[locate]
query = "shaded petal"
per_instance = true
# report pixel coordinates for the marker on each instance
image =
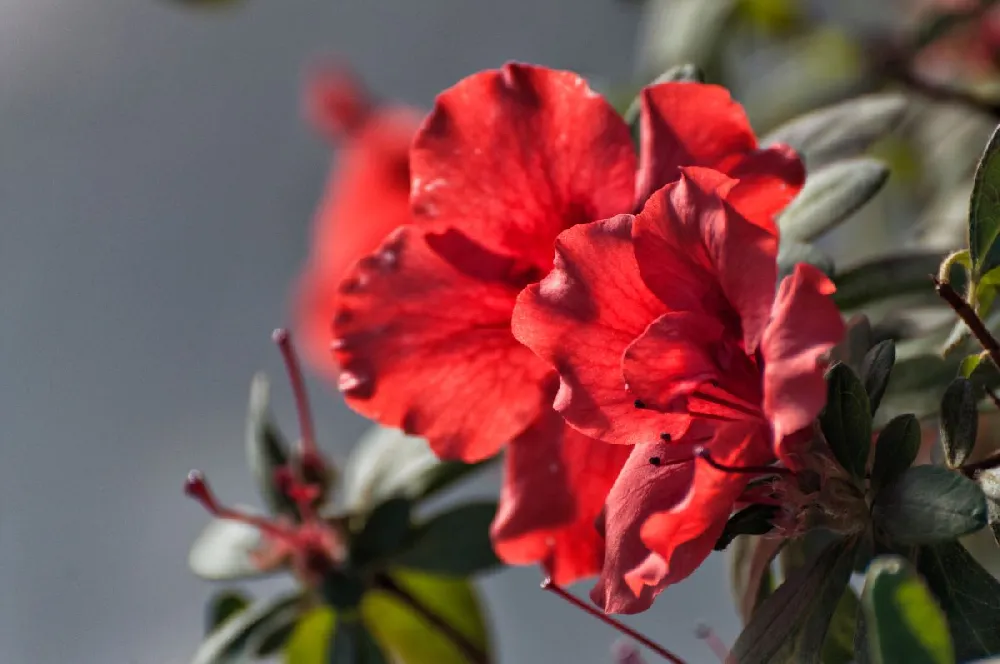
(681, 538)
(805, 325)
(367, 197)
(511, 157)
(768, 181)
(581, 318)
(427, 348)
(697, 253)
(688, 124)
(336, 102)
(555, 485)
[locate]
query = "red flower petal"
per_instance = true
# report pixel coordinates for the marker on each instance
(555, 483)
(512, 157)
(681, 538)
(427, 348)
(688, 124)
(367, 197)
(768, 181)
(335, 101)
(697, 253)
(581, 318)
(805, 325)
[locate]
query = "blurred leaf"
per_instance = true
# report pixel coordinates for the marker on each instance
(969, 365)
(384, 531)
(904, 624)
(771, 16)
(862, 654)
(927, 504)
(222, 552)
(222, 606)
(846, 420)
(791, 253)
(792, 623)
(876, 367)
(984, 210)
(342, 588)
(310, 640)
(750, 559)
(447, 473)
(237, 639)
(455, 543)
(354, 644)
(839, 645)
(266, 448)
(886, 277)
(969, 596)
(858, 340)
(959, 421)
(843, 130)
(830, 196)
(896, 448)
(752, 520)
(412, 638)
(678, 31)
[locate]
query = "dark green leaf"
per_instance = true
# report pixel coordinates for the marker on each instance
(752, 520)
(750, 559)
(354, 644)
(384, 531)
(266, 448)
(927, 504)
(959, 421)
(792, 623)
(223, 551)
(858, 340)
(846, 420)
(905, 625)
(876, 369)
(862, 654)
(342, 589)
(969, 596)
(447, 473)
(791, 253)
(984, 210)
(895, 450)
(843, 130)
(830, 196)
(839, 645)
(222, 606)
(236, 639)
(886, 277)
(455, 543)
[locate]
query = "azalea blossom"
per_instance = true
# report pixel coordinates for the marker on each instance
(673, 312)
(506, 161)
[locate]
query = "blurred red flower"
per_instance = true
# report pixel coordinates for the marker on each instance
(672, 313)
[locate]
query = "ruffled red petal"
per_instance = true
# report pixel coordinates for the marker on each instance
(688, 124)
(697, 253)
(806, 324)
(511, 157)
(581, 318)
(768, 181)
(367, 196)
(555, 483)
(428, 348)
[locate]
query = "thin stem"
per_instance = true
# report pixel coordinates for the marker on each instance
(990, 462)
(970, 318)
(472, 652)
(714, 643)
(547, 584)
(284, 341)
(946, 94)
(706, 456)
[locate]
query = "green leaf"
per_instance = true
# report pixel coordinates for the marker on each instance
(266, 448)
(384, 532)
(895, 450)
(750, 576)
(927, 504)
(839, 645)
(223, 551)
(856, 344)
(752, 520)
(969, 365)
(791, 253)
(984, 210)
(239, 638)
(969, 596)
(842, 130)
(447, 473)
(791, 624)
(830, 196)
(905, 625)
(455, 543)
(342, 588)
(354, 644)
(222, 606)
(409, 637)
(310, 641)
(959, 421)
(846, 420)
(876, 367)
(886, 277)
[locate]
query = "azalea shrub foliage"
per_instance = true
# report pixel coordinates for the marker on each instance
(639, 307)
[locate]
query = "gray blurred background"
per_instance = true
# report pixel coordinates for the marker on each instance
(156, 184)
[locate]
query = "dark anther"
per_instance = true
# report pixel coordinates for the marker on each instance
(639, 404)
(654, 460)
(665, 437)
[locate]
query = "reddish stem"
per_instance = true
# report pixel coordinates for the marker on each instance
(970, 318)
(284, 341)
(547, 584)
(196, 486)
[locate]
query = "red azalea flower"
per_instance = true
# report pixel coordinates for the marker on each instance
(367, 196)
(506, 161)
(674, 311)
